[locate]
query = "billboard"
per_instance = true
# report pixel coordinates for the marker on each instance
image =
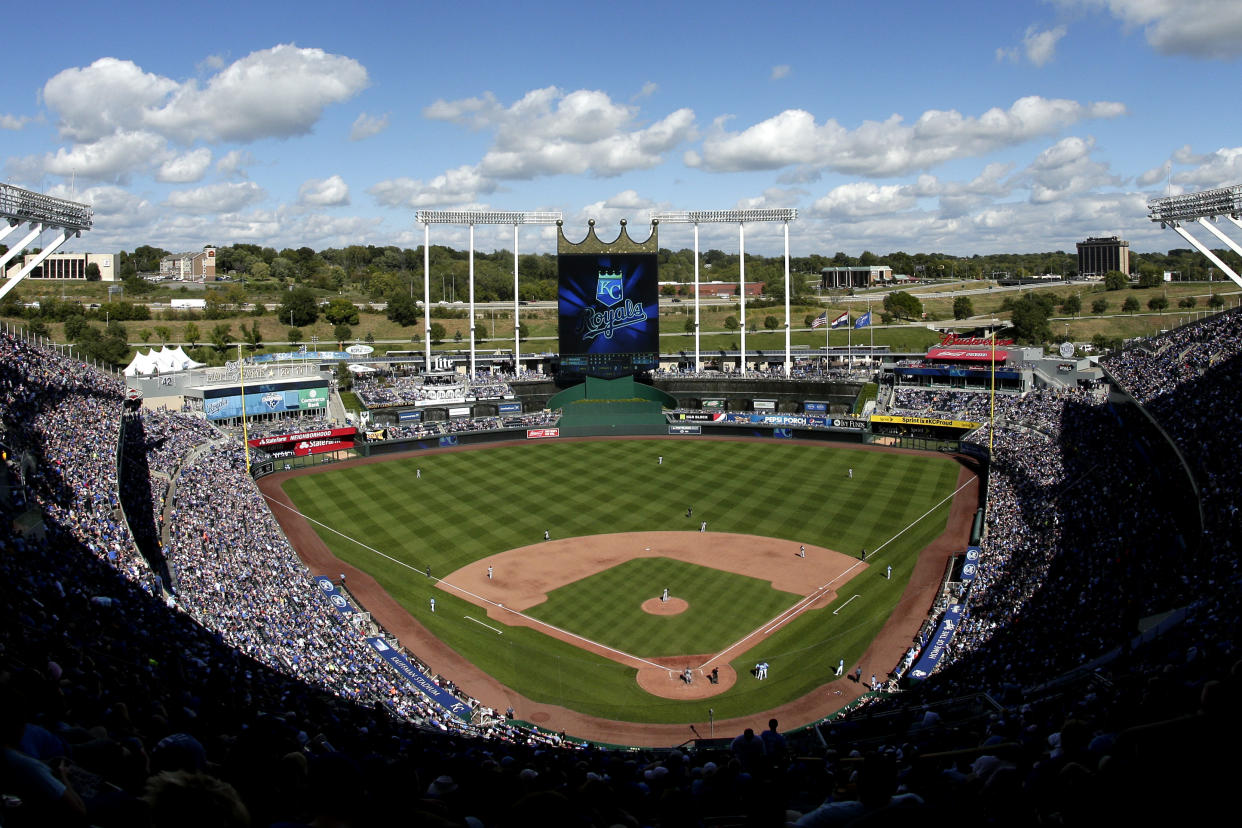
(264, 398)
(608, 313)
(924, 421)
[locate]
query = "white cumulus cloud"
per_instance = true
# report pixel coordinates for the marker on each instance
(367, 125)
(460, 187)
(891, 147)
(1209, 29)
(228, 197)
(111, 158)
(185, 169)
(277, 92)
(328, 192)
(552, 132)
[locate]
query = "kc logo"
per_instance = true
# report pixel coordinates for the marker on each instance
(608, 288)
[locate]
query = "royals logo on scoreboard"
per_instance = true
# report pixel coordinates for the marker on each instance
(609, 288)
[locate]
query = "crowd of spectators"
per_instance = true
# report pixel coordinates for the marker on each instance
(437, 428)
(251, 696)
(388, 390)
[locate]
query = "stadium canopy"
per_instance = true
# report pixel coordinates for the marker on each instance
(164, 361)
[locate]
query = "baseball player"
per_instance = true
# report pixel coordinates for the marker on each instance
(664, 597)
(433, 604)
(890, 572)
(802, 551)
(703, 526)
(546, 535)
(851, 475)
(840, 667)
(660, 460)
(418, 474)
(489, 573)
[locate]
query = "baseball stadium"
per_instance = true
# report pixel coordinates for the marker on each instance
(614, 585)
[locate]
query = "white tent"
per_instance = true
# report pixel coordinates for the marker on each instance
(164, 361)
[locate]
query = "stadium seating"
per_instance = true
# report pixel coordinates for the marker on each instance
(250, 693)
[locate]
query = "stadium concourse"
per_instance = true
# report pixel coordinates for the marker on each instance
(242, 698)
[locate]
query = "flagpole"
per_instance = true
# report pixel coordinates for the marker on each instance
(871, 330)
(827, 328)
(849, 346)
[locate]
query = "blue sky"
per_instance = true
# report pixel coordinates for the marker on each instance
(965, 127)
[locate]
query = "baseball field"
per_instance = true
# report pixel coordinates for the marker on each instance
(576, 621)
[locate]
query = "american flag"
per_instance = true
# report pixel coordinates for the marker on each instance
(820, 320)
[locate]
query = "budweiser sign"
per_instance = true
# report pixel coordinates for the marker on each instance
(953, 339)
(542, 433)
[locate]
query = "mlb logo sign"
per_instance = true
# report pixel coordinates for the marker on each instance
(608, 288)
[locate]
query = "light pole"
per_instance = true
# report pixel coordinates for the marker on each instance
(739, 217)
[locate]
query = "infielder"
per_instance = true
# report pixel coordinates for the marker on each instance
(489, 573)
(433, 604)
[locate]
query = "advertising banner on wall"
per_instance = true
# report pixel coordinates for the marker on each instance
(333, 434)
(542, 433)
(419, 679)
(266, 398)
(684, 428)
(509, 408)
(924, 421)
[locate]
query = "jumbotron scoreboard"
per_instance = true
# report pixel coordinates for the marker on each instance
(608, 308)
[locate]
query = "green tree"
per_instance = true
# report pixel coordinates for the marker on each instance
(480, 332)
(1099, 306)
(437, 332)
(92, 272)
(730, 323)
(403, 310)
(254, 339)
(344, 377)
(163, 333)
(74, 326)
(523, 331)
(1115, 280)
(1216, 301)
(341, 311)
(689, 327)
(192, 334)
(299, 307)
(1072, 304)
(342, 332)
(770, 322)
(457, 336)
(1030, 319)
(145, 336)
(1158, 303)
(1131, 305)
(1150, 278)
(1187, 302)
(903, 305)
(963, 308)
(294, 335)
(222, 336)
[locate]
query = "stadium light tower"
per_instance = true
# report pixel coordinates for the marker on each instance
(42, 212)
(1205, 208)
(697, 217)
(472, 217)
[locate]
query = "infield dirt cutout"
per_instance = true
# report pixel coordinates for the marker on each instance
(523, 577)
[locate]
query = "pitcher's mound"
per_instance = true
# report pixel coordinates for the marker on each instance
(673, 606)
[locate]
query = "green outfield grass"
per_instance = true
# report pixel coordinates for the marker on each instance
(472, 504)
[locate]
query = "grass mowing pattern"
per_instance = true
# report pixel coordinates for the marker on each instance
(605, 607)
(472, 504)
